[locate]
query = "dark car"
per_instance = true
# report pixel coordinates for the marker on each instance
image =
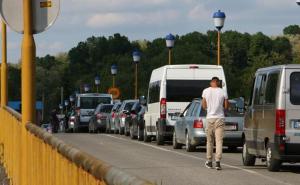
(136, 124)
(99, 118)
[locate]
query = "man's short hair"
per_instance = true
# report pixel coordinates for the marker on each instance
(215, 79)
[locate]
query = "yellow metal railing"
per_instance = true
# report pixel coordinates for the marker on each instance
(49, 160)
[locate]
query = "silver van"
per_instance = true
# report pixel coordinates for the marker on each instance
(272, 118)
(85, 106)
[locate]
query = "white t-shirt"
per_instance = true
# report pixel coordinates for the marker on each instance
(215, 102)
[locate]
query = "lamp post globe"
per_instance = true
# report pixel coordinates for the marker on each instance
(97, 80)
(136, 55)
(219, 19)
(114, 69)
(71, 98)
(170, 41)
(86, 87)
(60, 106)
(66, 103)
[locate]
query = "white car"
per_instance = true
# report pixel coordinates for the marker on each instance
(171, 89)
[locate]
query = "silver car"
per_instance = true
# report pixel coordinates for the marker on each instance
(98, 120)
(190, 127)
(110, 127)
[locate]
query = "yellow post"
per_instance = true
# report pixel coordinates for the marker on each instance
(170, 56)
(219, 48)
(28, 84)
(4, 67)
(114, 81)
(136, 81)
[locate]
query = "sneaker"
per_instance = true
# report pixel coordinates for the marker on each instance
(218, 166)
(208, 164)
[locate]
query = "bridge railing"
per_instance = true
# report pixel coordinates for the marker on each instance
(50, 161)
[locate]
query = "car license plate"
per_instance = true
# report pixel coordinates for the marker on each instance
(231, 127)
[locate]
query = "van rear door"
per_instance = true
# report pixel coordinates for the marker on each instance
(293, 107)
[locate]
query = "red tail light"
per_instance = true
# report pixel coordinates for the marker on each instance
(113, 115)
(163, 108)
(100, 116)
(198, 123)
(280, 122)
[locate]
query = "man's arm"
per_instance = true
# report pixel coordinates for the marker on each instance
(204, 104)
(226, 104)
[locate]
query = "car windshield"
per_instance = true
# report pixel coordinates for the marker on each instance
(92, 102)
(185, 90)
(106, 108)
(295, 88)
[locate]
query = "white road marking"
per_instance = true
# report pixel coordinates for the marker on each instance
(201, 159)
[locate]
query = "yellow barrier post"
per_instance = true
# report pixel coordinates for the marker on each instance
(4, 67)
(28, 84)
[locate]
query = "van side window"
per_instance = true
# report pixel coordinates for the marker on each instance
(154, 90)
(271, 88)
(295, 88)
(259, 90)
(251, 95)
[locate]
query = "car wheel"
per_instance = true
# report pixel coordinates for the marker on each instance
(159, 138)
(140, 134)
(176, 145)
(188, 146)
(132, 136)
(248, 159)
(121, 130)
(126, 131)
(147, 139)
(273, 165)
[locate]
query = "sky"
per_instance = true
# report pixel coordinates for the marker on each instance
(150, 19)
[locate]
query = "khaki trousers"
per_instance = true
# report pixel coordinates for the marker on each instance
(214, 132)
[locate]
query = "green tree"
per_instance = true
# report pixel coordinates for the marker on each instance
(291, 30)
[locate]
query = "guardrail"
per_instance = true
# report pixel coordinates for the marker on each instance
(50, 160)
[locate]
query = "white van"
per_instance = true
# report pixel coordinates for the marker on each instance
(171, 89)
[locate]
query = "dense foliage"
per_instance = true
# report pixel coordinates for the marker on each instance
(242, 54)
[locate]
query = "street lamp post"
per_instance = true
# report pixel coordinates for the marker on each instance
(170, 41)
(114, 71)
(136, 55)
(97, 83)
(219, 19)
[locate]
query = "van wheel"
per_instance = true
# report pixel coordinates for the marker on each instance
(147, 138)
(273, 165)
(140, 134)
(159, 138)
(176, 145)
(188, 146)
(248, 159)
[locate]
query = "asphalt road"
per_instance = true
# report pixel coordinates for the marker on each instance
(166, 166)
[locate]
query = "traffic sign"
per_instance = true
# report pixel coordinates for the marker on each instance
(44, 15)
(115, 92)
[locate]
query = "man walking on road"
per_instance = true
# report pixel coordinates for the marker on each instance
(214, 101)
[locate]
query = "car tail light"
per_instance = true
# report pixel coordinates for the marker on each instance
(163, 108)
(280, 123)
(113, 114)
(123, 115)
(198, 123)
(100, 116)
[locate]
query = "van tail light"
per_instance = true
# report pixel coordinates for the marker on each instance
(78, 111)
(280, 122)
(198, 123)
(163, 108)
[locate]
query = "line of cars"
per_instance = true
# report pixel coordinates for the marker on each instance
(172, 112)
